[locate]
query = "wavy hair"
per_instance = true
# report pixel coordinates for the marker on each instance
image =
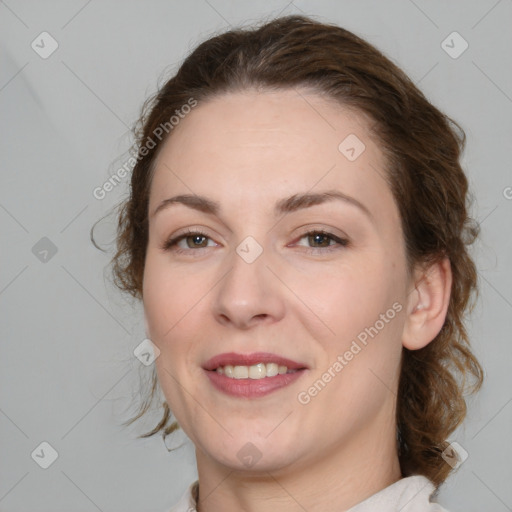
(422, 147)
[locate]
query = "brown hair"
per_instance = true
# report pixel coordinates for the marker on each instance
(422, 148)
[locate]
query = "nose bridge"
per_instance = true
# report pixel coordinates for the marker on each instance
(247, 290)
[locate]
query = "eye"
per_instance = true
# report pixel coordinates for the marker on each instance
(192, 239)
(326, 241)
(323, 239)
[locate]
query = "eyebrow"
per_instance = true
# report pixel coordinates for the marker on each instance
(283, 206)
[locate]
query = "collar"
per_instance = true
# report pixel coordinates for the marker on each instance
(410, 494)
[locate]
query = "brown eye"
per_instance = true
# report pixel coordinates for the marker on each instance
(193, 240)
(320, 238)
(323, 240)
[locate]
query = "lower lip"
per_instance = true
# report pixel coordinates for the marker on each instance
(252, 388)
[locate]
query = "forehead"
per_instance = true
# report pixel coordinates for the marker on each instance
(271, 121)
(252, 148)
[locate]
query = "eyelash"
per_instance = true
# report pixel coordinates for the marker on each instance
(171, 243)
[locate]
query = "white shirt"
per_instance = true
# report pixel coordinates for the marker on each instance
(410, 494)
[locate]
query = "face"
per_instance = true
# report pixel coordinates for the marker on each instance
(321, 282)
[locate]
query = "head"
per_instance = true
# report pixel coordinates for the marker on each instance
(262, 117)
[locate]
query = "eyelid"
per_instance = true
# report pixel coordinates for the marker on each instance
(340, 241)
(172, 240)
(320, 228)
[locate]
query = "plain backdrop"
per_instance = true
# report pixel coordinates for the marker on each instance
(68, 374)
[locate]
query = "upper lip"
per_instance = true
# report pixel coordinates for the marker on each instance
(234, 359)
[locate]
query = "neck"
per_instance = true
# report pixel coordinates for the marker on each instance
(344, 475)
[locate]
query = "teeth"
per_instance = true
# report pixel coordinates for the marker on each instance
(240, 372)
(256, 371)
(273, 369)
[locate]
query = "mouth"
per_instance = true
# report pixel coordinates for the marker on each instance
(252, 375)
(254, 366)
(255, 371)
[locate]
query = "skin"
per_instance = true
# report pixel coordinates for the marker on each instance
(247, 150)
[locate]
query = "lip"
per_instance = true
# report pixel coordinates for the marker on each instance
(235, 359)
(251, 388)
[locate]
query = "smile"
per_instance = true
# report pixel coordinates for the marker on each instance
(256, 371)
(252, 375)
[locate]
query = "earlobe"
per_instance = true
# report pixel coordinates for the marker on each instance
(427, 305)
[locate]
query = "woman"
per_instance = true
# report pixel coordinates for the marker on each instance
(297, 231)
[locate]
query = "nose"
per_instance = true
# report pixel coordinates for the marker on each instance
(249, 294)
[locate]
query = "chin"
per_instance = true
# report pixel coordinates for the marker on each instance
(253, 461)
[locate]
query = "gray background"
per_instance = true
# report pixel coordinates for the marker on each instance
(68, 373)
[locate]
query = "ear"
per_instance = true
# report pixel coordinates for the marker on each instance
(427, 304)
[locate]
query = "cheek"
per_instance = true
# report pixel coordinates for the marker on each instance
(360, 364)
(168, 307)
(157, 303)
(357, 315)
(345, 298)
(169, 295)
